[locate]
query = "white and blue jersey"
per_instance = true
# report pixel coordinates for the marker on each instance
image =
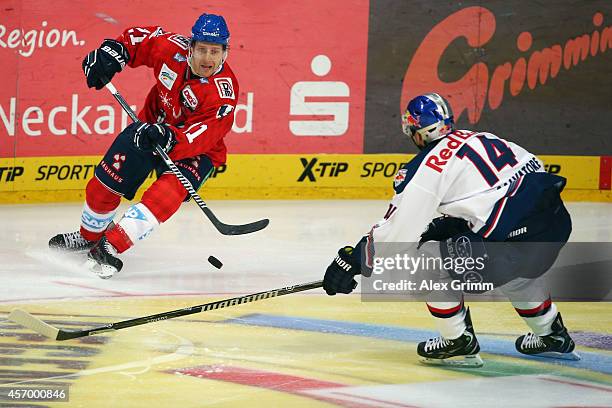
(489, 182)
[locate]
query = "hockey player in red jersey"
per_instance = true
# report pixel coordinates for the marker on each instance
(494, 195)
(187, 112)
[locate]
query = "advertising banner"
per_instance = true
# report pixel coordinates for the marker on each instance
(536, 73)
(274, 176)
(301, 74)
(531, 73)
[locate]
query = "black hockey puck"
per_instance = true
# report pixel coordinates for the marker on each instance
(215, 262)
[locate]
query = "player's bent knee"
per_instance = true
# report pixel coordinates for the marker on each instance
(99, 197)
(164, 197)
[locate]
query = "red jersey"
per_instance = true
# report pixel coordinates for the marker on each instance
(199, 110)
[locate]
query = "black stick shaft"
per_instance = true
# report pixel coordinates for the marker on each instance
(219, 304)
(127, 108)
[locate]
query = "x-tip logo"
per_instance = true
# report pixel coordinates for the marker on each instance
(323, 169)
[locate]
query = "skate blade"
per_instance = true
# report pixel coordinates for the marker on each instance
(573, 356)
(471, 361)
(69, 251)
(103, 271)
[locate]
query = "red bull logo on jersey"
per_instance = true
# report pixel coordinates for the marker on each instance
(453, 142)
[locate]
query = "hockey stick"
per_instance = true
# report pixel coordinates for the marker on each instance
(225, 229)
(27, 320)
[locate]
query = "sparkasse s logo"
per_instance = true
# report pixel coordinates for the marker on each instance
(319, 117)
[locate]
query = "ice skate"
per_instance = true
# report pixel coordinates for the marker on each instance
(461, 352)
(73, 241)
(558, 344)
(102, 261)
(70, 242)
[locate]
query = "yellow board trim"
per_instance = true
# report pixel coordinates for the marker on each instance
(283, 176)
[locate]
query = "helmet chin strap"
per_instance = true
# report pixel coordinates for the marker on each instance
(189, 57)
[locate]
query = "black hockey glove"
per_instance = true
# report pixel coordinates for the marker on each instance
(442, 228)
(339, 276)
(149, 135)
(102, 64)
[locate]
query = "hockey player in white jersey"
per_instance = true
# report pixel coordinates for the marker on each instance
(488, 190)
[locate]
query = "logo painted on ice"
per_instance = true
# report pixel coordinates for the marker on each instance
(119, 159)
(300, 91)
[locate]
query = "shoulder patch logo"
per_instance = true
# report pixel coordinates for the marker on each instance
(224, 110)
(225, 87)
(178, 57)
(189, 98)
(399, 177)
(167, 77)
(179, 40)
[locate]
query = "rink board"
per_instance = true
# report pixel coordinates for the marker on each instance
(56, 179)
(303, 350)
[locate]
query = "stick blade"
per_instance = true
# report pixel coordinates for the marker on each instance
(27, 320)
(243, 229)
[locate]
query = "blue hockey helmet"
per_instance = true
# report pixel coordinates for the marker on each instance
(211, 28)
(427, 118)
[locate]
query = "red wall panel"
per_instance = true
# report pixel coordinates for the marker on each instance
(302, 74)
